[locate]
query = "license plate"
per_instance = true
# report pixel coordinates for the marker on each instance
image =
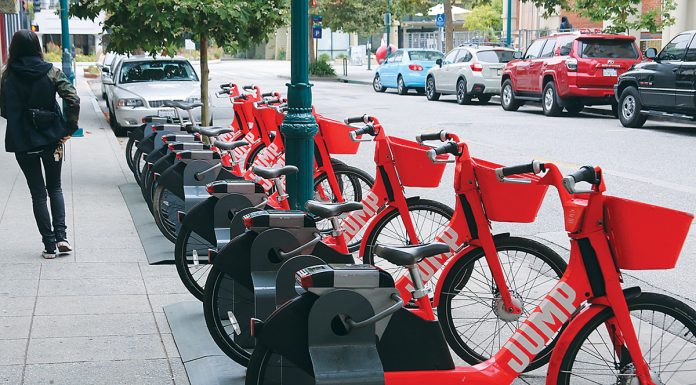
(166, 114)
(609, 71)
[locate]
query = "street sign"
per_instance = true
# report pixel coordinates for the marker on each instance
(37, 6)
(317, 19)
(440, 20)
(316, 32)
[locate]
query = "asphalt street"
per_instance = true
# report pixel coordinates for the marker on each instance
(654, 164)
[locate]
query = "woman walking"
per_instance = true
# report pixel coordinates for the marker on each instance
(36, 131)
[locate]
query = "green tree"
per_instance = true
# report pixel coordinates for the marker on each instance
(159, 26)
(365, 16)
(485, 17)
(622, 15)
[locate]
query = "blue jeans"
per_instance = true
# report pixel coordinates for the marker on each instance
(30, 163)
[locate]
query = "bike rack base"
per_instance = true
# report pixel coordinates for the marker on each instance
(158, 249)
(204, 362)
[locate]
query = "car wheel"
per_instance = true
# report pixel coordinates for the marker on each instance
(507, 97)
(377, 84)
(549, 100)
(462, 96)
(630, 107)
(401, 88)
(573, 107)
(430, 92)
(485, 98)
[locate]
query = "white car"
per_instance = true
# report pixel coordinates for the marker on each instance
(140, 86)
(468, 72)
(106, 65)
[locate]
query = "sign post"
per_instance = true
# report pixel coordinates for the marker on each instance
(67, 54)
(440, 24)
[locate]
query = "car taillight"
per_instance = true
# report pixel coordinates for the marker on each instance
(572, 64)
(248, 221)
(476, 67)
(415, 67)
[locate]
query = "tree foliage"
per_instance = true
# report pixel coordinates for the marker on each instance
(365, 16)
(621, 15)
(485, 16)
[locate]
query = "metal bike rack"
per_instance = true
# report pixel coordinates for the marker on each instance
(286, 285)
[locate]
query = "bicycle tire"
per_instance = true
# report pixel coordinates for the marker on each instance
(251, 157)
(426, 205)
(138, 164)
(130, 154)
(258, 367)
(213, 286)
(460, 277)
(358, 179)
(648, 302)
(183, 247)
(166, 213)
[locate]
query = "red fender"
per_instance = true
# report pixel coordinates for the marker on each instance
(568, 333)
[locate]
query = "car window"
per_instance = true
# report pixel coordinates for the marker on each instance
(534, 49)
(607, 48)
(160, 70)
(675, 49)
(565, 45)
(451, 56)
(548, 48)
(398, 55)
(464, 56)
(425, 55)
(691, 53)
(495, 56)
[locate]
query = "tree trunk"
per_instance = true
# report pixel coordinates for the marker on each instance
(311, 43)
(205, 74)
(449, 26)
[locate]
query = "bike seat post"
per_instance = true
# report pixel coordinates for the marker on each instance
(282, 195)
(178, 116)
(420, 290)
(190, 114)
(336, 226)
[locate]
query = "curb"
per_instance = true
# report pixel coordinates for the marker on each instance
(344, 79)
(314, 78)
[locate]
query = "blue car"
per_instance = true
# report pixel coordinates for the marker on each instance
(405, 68)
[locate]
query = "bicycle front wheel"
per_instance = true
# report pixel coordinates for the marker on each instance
(665, 328)
(191, 260)
(166, 206)
(471, 310)
(131, 149)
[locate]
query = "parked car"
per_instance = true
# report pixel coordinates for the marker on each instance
(569, 70)
(106, 66)
(140, 86)
(468, 72)
(405, 69)
(664, 86)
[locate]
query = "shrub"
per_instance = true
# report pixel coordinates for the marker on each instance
(325, 57)
(53, 57)
(341, 56)
(321, 68)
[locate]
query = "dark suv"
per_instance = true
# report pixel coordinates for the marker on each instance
(569, 70)
(664, 86)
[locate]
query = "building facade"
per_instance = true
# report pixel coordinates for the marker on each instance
(85, 34)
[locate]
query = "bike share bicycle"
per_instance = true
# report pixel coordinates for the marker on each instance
(604, 334)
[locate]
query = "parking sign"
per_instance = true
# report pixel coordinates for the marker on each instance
(440, 20)
(316, 32)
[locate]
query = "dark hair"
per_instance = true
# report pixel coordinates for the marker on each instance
(24, 43)
(563, 18)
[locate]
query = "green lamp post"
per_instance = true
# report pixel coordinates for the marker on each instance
(299, 125)
(67, 55)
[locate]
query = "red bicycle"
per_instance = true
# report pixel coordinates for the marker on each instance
(605, 335)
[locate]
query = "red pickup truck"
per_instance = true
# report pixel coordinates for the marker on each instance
(568, 70)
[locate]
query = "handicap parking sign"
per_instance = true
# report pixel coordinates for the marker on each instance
(440, 20)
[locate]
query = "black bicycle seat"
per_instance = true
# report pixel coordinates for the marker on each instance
(410, 255)
(229, 146)
(182, 105)
(214, 131)
(330, 210)
(273, 172)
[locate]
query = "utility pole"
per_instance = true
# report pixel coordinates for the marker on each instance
(509, 23)
(67, 51)
(299, 125)
(387, 21)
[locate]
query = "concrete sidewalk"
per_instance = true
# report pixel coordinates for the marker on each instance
(94, 316)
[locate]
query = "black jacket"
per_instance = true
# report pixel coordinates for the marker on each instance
(32, 83)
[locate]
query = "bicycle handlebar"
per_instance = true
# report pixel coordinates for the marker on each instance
(441, 136)
(358, 119)
(250, 87)
(584, 174)
(533, 167)
(369, 129)
(267, 94)
(226, 85)
(447, 148)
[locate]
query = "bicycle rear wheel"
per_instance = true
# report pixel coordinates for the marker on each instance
(138, 165)
(191, 260)
(165, 207)
(471, 310)
(665, 328)
(131, 149)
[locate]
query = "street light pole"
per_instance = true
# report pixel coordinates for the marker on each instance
(67, 52)
(387, 21)
(299, 125)
(509, 22)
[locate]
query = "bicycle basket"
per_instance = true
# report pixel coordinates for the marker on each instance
(414, 167)
(336, 135)
(508, 202)
(643, 236)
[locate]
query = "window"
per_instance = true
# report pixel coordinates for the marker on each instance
(566, 45)
(398, 55)
(691, 54)
(495, 56)
(548, 48)
(675, 49)
(464, 56)
(160, 70)
(607, 48)
(451, 56)
(534, 49)
(425, 55)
